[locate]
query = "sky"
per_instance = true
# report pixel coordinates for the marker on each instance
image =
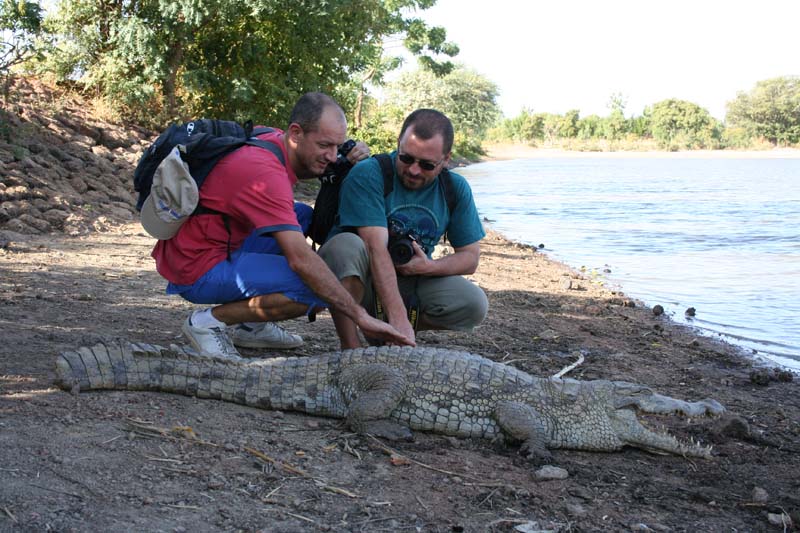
(557, 55)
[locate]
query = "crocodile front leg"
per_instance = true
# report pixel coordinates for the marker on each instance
(375, 391)
(523, 423)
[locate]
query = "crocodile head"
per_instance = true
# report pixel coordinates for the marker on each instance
(627, 399)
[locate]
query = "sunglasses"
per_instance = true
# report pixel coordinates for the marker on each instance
(423, 164)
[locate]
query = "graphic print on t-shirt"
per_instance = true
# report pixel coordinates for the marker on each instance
(415, 221)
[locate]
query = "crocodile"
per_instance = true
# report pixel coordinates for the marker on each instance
(390, 391)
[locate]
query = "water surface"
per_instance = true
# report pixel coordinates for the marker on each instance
(721, 235)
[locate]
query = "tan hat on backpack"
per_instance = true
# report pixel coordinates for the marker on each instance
(173, 197)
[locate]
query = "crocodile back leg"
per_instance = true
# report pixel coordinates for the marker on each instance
(373, 392)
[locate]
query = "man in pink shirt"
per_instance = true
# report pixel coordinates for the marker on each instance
(248, 253)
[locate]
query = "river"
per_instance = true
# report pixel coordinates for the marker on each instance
(719, 234)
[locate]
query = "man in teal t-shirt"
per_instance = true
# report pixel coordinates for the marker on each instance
(408, 285)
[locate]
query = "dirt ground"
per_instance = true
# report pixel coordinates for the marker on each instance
(75, 268)
(125, 461)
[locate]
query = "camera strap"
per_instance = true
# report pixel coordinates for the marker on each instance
(411, 303)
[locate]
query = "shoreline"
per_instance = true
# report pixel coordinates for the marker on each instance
(758, 358)
(509, 151)
(770, 353)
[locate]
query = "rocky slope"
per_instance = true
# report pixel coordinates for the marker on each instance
(61, 168)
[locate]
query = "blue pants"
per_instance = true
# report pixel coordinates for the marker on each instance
(255, 269)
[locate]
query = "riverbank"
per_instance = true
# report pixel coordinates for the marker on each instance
(76, 269)
(500, 152)
(147, 461)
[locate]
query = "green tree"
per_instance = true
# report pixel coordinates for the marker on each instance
(771, 110)
(526, 127)
(568, 128)
(467, 97)
(641, 126)
(680, 124)
(590, 127)
(614, 125)
(229, 58)
(20, 22)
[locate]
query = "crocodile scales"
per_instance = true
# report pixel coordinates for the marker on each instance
(389, 391)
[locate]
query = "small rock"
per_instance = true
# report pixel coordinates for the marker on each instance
(641, 527)
(548, 335)
(695, 343)
(541, 246)
(531, 527)
(575, 509)
(566, 284)
(760, 495)
(733, 426)
(549, 473)
(779, 374)
(760, 376)
(691, 311)
(781, 519)
(580, 492)
(658, 310)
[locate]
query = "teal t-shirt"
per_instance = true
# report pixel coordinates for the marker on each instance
(423, 211)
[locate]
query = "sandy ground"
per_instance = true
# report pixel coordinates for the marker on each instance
(127, 461)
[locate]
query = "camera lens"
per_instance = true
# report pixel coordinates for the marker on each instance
(401, 250)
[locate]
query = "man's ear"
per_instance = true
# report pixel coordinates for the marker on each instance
(295, 132)
(446, 160)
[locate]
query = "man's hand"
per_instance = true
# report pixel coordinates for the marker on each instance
(378, 329)
(418, 265)
(358, 152)
(404, 327)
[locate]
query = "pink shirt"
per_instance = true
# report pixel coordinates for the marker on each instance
(254, 189)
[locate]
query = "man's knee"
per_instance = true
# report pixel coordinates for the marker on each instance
(346, 255)
(463, 307)
(475, 307)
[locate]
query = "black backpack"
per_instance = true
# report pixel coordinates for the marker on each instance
(326, 206)
(206, 141)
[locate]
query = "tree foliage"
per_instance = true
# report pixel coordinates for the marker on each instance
(680, 124)
(673, 124)
(771, 110)
(20, 23)
(170, 59)
(467, 97)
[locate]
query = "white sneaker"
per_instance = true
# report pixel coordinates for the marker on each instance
(265, 335)
(212, 342)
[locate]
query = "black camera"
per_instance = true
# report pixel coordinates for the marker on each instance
(336, 171)
(401, 248)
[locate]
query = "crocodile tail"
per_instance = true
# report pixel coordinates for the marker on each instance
(127, 366)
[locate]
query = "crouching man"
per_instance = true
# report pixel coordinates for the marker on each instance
(381, 245)
(248, 252)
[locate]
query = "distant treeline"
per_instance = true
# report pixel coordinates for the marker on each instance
(157, 61)
(768, 115)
